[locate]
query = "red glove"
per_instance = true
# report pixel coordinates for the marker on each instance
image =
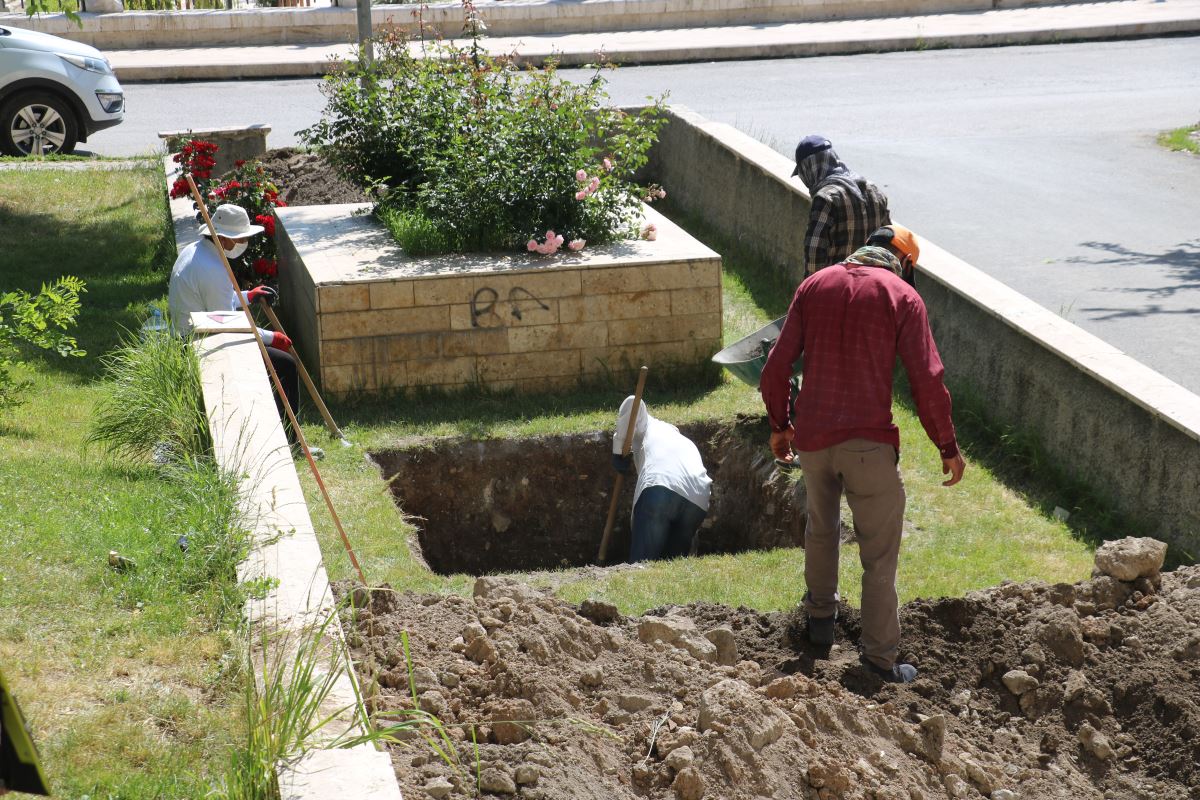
(262, 293)
(781, 444)
(280, 341)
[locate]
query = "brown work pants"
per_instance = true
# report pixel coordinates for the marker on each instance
(868, 474)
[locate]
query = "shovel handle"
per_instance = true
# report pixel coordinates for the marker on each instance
(626, 446)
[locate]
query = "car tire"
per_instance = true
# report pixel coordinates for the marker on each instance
(37, 121)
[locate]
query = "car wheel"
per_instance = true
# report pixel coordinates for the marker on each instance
(37, 124)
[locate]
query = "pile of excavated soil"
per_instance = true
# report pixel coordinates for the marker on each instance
(1026, 691)
(306, 179)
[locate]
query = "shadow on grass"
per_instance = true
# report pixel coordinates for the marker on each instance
(120, 243)
(477, 412)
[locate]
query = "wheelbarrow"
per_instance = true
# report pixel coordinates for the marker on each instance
(746, 357)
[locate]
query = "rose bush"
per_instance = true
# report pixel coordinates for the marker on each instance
(473, 153)
(248, 185)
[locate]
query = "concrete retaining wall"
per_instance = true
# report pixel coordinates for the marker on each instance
(274, 26)
(1110, 421)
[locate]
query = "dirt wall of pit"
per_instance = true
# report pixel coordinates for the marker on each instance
(510, 505)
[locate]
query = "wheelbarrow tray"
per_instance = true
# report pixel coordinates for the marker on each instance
(745, 357)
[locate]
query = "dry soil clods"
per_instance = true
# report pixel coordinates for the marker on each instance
(1026, 691)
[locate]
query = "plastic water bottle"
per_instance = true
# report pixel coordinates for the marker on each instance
(156, 323)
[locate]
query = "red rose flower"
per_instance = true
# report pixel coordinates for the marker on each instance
(268, 223)
(266, 267)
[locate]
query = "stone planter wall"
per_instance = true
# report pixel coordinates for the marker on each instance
(369, 319)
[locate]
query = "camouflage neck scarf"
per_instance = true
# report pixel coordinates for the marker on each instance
(870, 256)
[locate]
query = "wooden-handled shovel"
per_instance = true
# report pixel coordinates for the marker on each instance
(625, 448)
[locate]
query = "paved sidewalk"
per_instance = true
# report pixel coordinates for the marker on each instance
(1047, 24)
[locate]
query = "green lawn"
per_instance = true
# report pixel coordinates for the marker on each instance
(125, 678)
(976, 534)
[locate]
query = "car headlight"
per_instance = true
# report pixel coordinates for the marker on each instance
(97, 65)
(111, 102)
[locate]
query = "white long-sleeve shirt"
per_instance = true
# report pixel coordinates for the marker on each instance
(199, 283)
(663, 456)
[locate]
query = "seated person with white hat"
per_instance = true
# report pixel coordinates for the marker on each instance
(199, 282)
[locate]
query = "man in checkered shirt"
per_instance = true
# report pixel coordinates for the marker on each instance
(846, 207)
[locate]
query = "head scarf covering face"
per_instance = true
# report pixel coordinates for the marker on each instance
(639, 431)
(823, 168)
(872, 256)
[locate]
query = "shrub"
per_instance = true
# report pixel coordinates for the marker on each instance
(41, 320)
(478, 154)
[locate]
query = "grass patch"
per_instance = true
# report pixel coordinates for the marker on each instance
(977, 534)
(1186, 139)
(125, 676)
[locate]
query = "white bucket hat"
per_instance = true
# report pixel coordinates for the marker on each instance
(232, 222)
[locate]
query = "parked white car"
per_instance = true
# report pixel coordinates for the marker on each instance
(53, 93)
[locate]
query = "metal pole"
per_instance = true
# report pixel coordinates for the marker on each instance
(366, 50)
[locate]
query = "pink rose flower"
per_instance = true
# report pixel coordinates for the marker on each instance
(661, 193)
(650, 232)
(607, 165)
(580, 194)
(549, 235)
(580, 175)
(558, 242)
(595, 184)
(576, 244)
(531, 245)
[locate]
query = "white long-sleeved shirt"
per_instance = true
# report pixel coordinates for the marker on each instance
(663, 456)
(199, 283)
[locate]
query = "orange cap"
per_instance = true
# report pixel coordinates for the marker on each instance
(900, 238)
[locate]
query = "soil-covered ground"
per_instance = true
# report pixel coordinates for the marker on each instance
(306, 179)
(1025, 690)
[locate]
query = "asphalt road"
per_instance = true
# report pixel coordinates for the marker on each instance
(1036, 164)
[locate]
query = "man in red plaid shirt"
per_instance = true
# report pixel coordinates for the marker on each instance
(849, 322)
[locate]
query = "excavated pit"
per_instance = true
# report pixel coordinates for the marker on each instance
(539, 503)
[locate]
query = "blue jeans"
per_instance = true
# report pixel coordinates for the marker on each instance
(663, 524)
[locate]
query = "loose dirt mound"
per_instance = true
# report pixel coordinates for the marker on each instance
(1026, 690)
(306, 179)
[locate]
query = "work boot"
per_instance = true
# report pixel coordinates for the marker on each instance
(820, 630)
(899, 673)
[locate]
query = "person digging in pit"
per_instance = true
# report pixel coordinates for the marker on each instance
(670, 500)
(846, 207)
(850, 321)
(199, 282)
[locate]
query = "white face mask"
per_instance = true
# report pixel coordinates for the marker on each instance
(237, 249)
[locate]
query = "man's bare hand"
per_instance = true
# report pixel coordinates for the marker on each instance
(954, 468)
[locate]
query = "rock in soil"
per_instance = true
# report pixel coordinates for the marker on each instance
(1019, 695)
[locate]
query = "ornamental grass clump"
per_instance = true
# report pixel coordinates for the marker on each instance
(470, 152)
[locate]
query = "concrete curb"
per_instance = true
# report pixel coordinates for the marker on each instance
(280, 26)
(1127, 18)
(249, 441)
